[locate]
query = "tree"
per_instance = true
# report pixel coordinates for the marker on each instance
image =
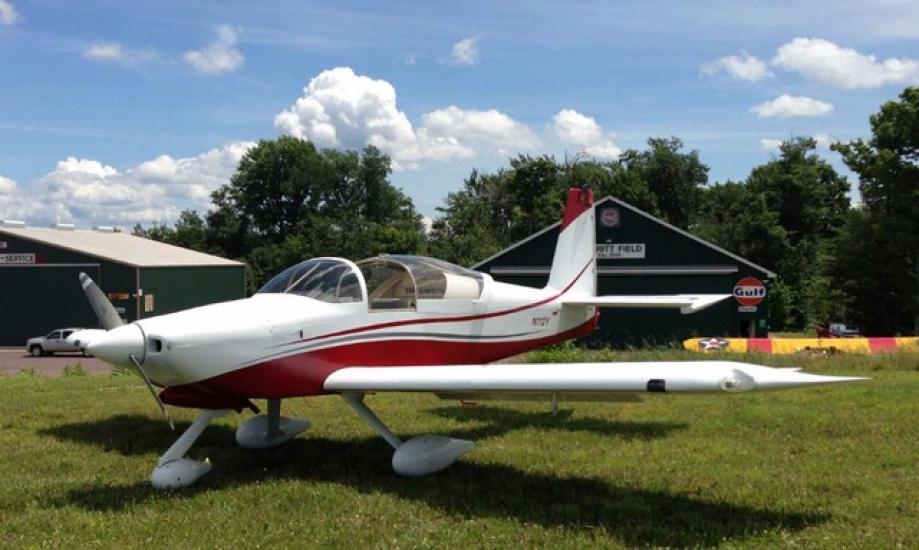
(674, 178)
(784, 217)
(289, 201)
(881, 239)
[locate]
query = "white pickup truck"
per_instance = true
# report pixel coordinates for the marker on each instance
(53, 342)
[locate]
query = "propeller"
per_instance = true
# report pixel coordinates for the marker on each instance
(109, 319)
(103, 309)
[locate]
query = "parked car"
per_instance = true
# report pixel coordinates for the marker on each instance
(837, 330)
(53, 342)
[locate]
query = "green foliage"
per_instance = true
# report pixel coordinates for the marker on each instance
(289, 201)
(878, 254)
(495, 210)
(784, 217)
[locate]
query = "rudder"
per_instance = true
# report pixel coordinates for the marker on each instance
(574, 265)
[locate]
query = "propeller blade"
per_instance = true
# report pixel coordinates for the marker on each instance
(150, 387)
(102, 307)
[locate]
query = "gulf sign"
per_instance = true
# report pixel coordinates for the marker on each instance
(749, 291)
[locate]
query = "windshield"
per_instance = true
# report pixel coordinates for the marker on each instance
(326, 279)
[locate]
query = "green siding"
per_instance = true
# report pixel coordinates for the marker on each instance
(36, 299)
(663, 247)
(178, 288)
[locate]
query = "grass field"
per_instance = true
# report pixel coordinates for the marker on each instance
(827, 467)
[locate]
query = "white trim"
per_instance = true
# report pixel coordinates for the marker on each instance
(714, 247)
(49, 265)
(625, 270)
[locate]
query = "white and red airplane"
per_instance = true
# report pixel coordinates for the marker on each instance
(399, 324)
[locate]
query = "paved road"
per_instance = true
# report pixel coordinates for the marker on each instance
(12, 360)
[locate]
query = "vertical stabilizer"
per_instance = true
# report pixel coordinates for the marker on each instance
(574, 264)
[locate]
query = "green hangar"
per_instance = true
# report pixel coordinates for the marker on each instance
(640, 254)
(40, 290)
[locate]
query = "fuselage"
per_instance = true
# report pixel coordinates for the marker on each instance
(285, 344)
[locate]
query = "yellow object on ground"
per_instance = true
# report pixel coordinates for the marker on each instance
(795, 345)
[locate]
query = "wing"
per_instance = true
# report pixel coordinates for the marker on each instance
(688, 303)
(657, 376)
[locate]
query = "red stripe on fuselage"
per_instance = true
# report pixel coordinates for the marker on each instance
(462, 318)
(304, 374)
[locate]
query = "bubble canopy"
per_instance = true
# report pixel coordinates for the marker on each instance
(391, 282)
(331, 280)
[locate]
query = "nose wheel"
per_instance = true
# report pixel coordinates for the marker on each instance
(174, 470)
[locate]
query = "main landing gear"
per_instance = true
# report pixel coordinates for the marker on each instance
(419, 456)
(261, 432)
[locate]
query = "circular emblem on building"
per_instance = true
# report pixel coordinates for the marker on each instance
(609, 217)
(749, 291)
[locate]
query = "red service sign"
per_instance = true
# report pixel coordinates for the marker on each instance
(749, 291)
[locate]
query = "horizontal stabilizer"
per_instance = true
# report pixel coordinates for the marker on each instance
(688, 303)
(651, 376)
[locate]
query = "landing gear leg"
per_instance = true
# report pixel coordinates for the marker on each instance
(174, 470)
(269, 430)
(419, 456)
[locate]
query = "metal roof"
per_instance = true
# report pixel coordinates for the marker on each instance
(770, 274)
(122, 248)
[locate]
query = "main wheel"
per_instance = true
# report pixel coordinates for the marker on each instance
(36, 351)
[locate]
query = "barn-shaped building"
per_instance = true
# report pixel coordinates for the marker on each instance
(640, 254)
(40, 290)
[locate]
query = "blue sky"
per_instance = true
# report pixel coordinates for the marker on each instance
(124, 112)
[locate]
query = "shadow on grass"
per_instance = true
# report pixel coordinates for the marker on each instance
(501, 421)
(634, 515)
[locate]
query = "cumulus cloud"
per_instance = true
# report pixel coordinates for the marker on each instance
(7, 185)
(742, 67)
(8, 14)
(220, 56)
(786, 106)
(830, 64)
(91, 192)
(340, 108)
(465, 52)
(572, 127)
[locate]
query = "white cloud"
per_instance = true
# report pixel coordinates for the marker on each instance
(339, 108)
(91, 192)
(825, 62)
(786, 106)
(572, 127)
(769, 144)
(7, 185)
(8, 14)
(113, 52)
(465, 52)
(219, 56)
(411, 61)
(105, 51)
(823, 142)
(742, 67)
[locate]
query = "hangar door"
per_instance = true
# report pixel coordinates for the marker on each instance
(36, 300)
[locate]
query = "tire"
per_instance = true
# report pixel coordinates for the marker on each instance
(36, 351)
(86, 353)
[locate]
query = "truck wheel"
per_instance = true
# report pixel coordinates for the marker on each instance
(36, 351)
